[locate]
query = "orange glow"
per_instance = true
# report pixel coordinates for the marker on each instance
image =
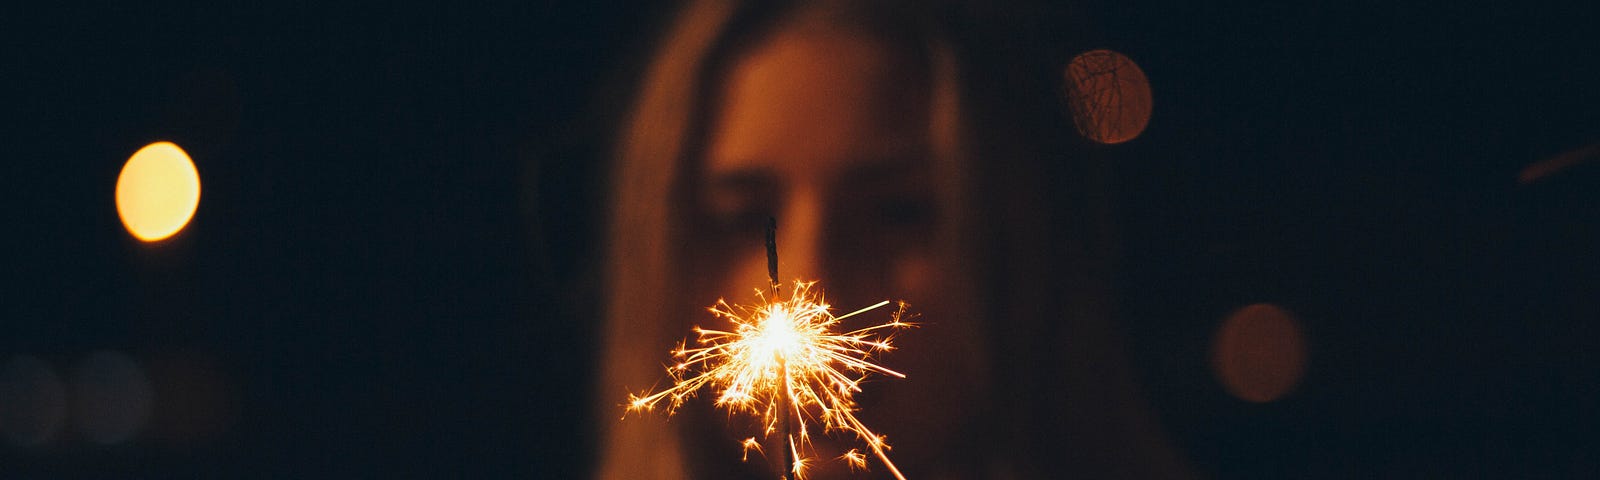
(157, 192)
(1551, 166)
(1109, 96)
(1259, 353)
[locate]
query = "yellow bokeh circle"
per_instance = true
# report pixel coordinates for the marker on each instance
(157, 192)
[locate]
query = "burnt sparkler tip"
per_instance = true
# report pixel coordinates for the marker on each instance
(772, 251)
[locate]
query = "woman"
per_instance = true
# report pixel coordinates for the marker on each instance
(891, 179)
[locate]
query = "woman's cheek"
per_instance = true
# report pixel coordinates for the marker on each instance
(915, 277)
(742, 278)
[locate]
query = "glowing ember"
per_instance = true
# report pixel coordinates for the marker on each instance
(782, 360)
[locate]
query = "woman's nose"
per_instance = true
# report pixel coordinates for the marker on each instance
(801, 232)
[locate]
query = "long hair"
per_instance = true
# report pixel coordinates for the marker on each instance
(1025, 234)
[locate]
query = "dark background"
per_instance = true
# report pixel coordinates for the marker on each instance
(391, 271)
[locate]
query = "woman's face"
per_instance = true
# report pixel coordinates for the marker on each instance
(829, 134)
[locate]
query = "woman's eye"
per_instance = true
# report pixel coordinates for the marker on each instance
(741, 221)
(905, 212)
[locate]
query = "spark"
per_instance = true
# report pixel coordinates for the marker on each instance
(800, 462)
(782, 359)
(855, 458)
(750, 444)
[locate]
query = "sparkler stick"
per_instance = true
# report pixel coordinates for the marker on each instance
(788, 464)
(784, 362)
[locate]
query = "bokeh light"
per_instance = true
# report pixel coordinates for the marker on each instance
(1259, 353)
(157, 191)
(1109, 96)
(33, 403)
(197, 400)
(112, 397)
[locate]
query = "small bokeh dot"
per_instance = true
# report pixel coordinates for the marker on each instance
(112, 398)
(196, 399)
(1259, 353)
(33, 402)
(157, 191)
(1109, 96)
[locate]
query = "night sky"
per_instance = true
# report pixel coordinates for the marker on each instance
(393, 268)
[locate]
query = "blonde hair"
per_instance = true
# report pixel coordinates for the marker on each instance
(638, 262)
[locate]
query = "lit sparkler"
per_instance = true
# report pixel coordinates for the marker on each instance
(782, 360)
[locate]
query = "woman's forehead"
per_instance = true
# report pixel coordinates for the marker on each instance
(818, 101)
